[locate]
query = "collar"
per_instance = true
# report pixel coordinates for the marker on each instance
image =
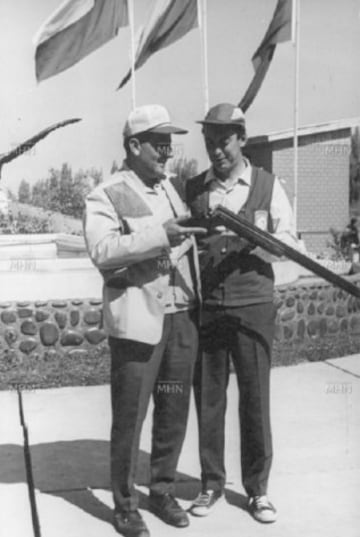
(236, 176)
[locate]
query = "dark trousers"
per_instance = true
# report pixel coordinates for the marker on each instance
(137, 371)
(247, 334)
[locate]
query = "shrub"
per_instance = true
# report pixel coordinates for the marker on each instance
(11, 225)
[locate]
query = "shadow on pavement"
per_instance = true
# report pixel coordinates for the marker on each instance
(71, 470)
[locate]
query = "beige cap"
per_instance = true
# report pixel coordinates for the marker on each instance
(150, 118)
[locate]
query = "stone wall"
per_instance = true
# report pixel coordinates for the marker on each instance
(65, 326)
(310, 312)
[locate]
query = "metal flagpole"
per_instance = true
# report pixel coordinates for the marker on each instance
(296, 39)
(202, 16)
(132, 37)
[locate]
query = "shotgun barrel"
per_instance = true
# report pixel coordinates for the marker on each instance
(268, 242)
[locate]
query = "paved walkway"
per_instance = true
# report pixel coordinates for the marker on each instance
(314, 484)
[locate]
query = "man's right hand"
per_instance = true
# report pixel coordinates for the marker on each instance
(176, 233)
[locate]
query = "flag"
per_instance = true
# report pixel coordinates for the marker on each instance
(280, 30)
(169, 21)
(77, 28)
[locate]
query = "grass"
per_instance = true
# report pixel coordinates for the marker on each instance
(54, 370)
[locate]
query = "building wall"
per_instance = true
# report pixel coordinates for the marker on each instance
(323, 181)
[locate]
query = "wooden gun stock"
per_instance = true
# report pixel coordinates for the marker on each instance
(274, 246)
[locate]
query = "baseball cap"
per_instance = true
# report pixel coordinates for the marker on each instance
(224, 114)
(150, 118)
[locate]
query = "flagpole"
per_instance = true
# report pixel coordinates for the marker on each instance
(296, 41)
(202, 13)
(132, 37)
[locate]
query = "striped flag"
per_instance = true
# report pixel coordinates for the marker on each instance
(280, 30)
(77, 28)
(169, 21)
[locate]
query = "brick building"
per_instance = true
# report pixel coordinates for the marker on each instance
(323, 174)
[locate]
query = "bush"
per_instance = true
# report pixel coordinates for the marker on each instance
(341, 244)
(20, 224)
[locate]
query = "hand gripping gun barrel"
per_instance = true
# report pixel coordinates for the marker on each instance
(268, 242)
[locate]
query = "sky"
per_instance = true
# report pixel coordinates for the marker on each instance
(329, 81)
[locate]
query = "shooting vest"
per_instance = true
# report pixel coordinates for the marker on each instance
(231, 276)
(134, 296)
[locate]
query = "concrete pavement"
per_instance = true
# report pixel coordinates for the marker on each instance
(314, 483)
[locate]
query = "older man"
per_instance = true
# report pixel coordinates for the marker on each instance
(150, 297)
(238, 313)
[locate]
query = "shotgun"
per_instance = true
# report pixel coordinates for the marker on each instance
(274, 246)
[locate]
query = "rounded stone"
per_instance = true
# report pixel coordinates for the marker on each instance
(95, 336)
(330, 310)
(341, 311)
(59, 304)
(355, 324)
(61, 319)
(301, 327)
(28, 345)
(344, 325)
(77, 302)
(290, 301)
(49, 334)
(300, 307)
(287, 315)
(92, 316)
(288, 331)
(23, 304)
(333, 326)
(321, 308)
(25, 312)
(41, 303)
(313, 327)
(311, 308)
(323, 327)
(8, 316)
(96, 301)
(278, 303)
(77, 354)
(5, 305)
(11, 336)
(71, 338)
(74, 317)
(313, 295)
(28, 328)
(41, 315)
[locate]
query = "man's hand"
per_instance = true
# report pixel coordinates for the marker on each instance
(176, 233)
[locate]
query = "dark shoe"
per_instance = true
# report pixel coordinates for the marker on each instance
(130, 524)
(207, 502)
(167, 508)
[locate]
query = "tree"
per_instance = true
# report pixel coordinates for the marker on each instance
(24, 193)
(63, 192)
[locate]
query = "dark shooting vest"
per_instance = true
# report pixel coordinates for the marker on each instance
(231, 276)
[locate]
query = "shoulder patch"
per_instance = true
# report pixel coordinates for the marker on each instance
(126, 201)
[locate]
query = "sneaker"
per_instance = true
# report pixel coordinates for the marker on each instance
(206, 502)
(261, 509)
(168, 510)
(130, 524)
